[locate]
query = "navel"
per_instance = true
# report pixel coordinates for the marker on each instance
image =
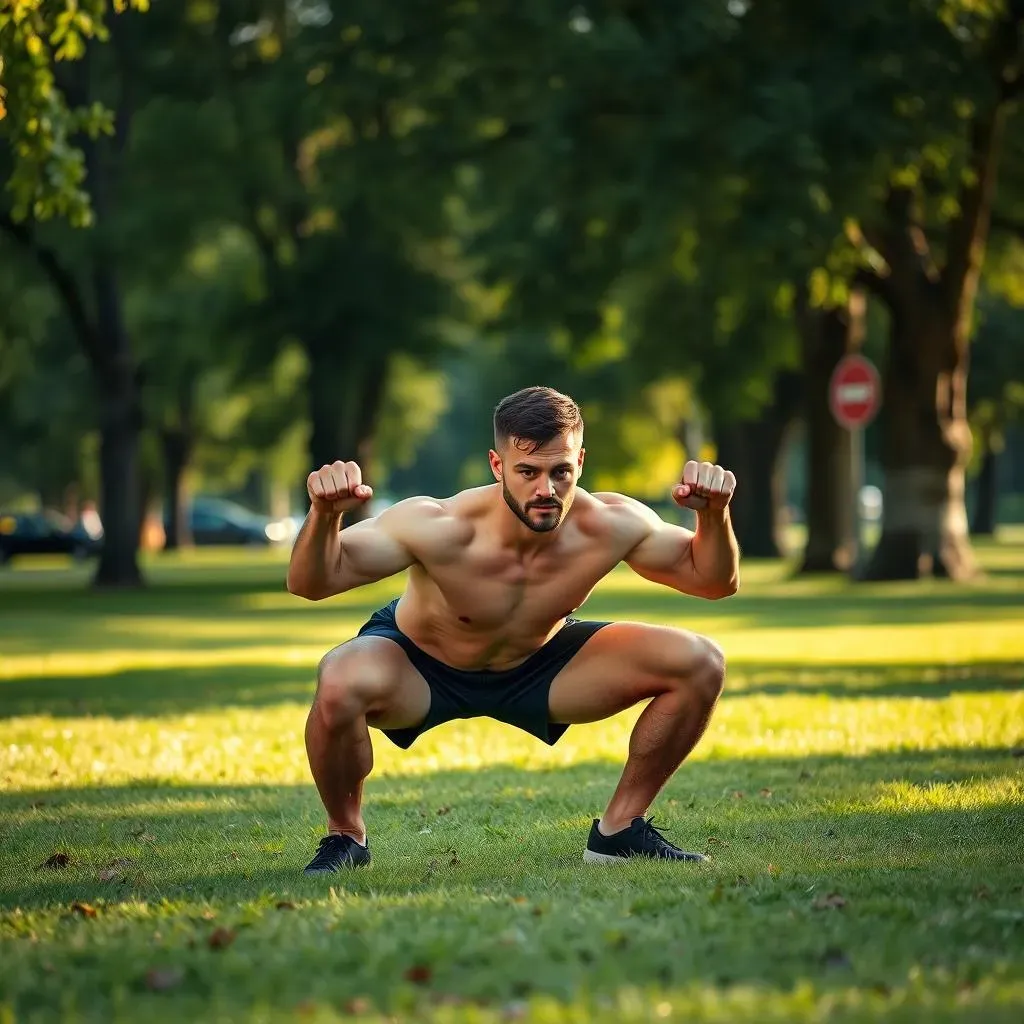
(462, 618)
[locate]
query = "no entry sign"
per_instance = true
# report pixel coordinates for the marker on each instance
(854, 392)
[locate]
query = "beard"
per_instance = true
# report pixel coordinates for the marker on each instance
(552, 517)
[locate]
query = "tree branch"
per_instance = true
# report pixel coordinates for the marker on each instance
(64, 284)
(877, 284)
(965, 246)
(1008, 225)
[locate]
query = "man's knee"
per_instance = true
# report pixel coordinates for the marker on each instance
(348, 679)
(698, 662)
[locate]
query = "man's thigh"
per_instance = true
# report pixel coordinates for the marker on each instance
(377, 673)
(620, 665)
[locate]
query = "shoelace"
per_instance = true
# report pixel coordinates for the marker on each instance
(649, 831)
(324, 850)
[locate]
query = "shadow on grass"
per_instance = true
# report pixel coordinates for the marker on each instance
(922, 681)
(170, 690)
(502, 821)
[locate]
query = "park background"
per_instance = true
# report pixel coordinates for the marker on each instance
(241, 239)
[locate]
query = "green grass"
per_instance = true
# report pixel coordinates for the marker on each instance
(860, 789)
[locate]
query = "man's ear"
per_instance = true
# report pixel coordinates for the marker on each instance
(495, 460)
(579, 465)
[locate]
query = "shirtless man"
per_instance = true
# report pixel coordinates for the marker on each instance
(484, 627)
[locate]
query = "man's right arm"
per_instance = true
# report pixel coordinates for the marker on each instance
(327, 560)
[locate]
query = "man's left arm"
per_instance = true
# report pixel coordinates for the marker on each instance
(702, 564)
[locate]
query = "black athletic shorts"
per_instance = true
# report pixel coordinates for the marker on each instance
(517, 696)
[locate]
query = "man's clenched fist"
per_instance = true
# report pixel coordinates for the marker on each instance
(704, 486)
(337, 488)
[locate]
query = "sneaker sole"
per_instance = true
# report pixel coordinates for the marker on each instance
(338, 871)
(593, 857)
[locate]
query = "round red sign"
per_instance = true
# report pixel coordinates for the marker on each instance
(854, 392)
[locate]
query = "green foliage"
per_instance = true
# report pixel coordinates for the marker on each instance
(47, 167)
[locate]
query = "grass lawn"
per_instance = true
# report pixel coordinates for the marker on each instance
(860, 790)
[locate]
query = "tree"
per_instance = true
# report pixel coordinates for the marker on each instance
(995, 396)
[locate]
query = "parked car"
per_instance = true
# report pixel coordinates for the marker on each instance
(44, 533)
(218, 521)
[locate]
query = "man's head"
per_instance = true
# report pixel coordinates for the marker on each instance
(538, 455)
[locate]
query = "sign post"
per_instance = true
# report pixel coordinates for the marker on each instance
(854, 397)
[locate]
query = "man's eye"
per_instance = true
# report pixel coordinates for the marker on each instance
(561, 473)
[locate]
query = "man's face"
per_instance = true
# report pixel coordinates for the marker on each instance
(539, 486)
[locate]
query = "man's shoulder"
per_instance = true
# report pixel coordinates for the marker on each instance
(616, 504)
(612, 512)
(422, 517)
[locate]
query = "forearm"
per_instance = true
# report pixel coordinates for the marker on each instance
(315, 556)
(716, 554)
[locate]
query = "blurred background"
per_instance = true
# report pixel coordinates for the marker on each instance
(241, 239)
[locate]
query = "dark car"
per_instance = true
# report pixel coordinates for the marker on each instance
(217, 521)
(44, 533)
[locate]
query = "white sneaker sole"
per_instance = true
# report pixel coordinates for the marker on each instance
(593, 857)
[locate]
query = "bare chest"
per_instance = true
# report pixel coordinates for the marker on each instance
(492, 590)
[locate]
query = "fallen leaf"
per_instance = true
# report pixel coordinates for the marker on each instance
(833, 901)
(36, 804)
(766, 793)
(982, 893)
(146, 837)
(84, 909)
(114, 868)
(537, 911)
(419, 974)
(738, 794)
(55, 861)
(443, 810)
(454, 862)
(160, 979)
(358, 1005)
(286, 905)
(221, 938)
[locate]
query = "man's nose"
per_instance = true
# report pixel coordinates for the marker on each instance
(545, 487)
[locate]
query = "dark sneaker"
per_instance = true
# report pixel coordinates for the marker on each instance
(336, 852)
(641, 839)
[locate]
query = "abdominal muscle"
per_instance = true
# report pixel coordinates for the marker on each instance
(486, 625)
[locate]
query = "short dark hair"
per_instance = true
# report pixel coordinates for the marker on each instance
(536, 415)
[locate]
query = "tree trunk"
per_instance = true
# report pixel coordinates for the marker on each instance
(752, 450)
(927, 435)
(177, 452)
(345, 398)
(119, 497)
(826, 336)
(120, 432)
(927, 442)
(984, 522)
